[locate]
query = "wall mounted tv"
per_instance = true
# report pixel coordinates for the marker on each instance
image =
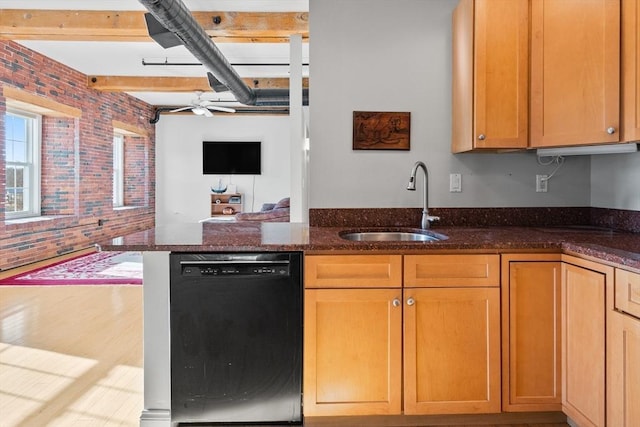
(231, 158)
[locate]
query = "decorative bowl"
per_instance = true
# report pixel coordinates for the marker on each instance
(219, 189)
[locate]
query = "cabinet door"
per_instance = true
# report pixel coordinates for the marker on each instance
(490, 74)
(583, 344)
(575, 72)
(623, 370)
(531, 333)
(452, 351)
(630, 70)
(352, 352)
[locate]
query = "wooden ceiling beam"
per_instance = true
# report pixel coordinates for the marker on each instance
(111, 25)
(176, 84)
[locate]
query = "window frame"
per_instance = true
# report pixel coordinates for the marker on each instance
(33, 164)
(118, 170)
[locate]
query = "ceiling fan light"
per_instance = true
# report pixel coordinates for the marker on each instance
(198, 111)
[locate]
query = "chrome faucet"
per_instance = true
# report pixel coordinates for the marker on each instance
(426, 218)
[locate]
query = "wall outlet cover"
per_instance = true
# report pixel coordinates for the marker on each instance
(542, 183)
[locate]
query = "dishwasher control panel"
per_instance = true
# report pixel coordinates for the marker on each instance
(199, 270)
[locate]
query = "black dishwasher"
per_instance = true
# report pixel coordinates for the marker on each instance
(236, 338)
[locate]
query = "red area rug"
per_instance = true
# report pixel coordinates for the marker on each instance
(100, 268)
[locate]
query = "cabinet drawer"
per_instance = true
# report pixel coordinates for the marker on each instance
(353, 271)
(628, 292)
(451, 270)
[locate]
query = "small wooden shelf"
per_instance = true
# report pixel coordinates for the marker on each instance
(226, 204)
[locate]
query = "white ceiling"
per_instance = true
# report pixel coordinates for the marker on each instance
(126, 58)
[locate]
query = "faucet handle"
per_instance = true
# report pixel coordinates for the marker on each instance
(427, 220)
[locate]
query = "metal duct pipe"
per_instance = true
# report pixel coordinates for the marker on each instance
(175, 16)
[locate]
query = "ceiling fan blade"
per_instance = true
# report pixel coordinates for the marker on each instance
(207, 113)
(180, 109)
(219, 108)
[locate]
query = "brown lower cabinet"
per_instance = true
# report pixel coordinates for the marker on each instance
(531, 332)
(623, 408)
(587, 294)
(420, 334)
(452, 351)
(353, 335)
(355, 349)
(623, 352)
(353, 352)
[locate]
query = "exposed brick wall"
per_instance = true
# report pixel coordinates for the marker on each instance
(135, 171)
(58, 166)
(76, 163)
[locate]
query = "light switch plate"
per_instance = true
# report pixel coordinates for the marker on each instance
(455, 183)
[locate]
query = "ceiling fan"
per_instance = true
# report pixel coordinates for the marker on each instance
(202, 107)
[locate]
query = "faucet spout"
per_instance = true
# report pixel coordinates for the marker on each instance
(426, 218)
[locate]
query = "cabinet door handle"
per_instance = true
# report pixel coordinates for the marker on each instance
(481, 137)
(611, 130)
(411, 301)
(396, 302)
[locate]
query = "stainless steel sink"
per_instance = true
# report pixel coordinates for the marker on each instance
(393, 236)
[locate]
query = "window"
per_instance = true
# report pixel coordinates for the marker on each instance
(22, 144)
(118, 170)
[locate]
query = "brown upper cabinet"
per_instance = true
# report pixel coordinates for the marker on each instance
(490, 75)
(630, 106)
(581, 86)
(575, 72)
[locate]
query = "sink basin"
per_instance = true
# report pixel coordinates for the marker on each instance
(393, 236)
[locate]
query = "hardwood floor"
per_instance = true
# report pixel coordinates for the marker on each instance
(70, 356)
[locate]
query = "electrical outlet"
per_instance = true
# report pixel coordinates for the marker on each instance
(455, 183)
(542, 183)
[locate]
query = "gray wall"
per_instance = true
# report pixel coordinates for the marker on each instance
(615, 181)
(381, 55)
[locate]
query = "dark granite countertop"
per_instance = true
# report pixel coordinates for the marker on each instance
(611, 246)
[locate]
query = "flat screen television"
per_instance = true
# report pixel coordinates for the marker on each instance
(231, 158)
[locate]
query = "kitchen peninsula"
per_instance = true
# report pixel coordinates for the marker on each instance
(597, 247)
